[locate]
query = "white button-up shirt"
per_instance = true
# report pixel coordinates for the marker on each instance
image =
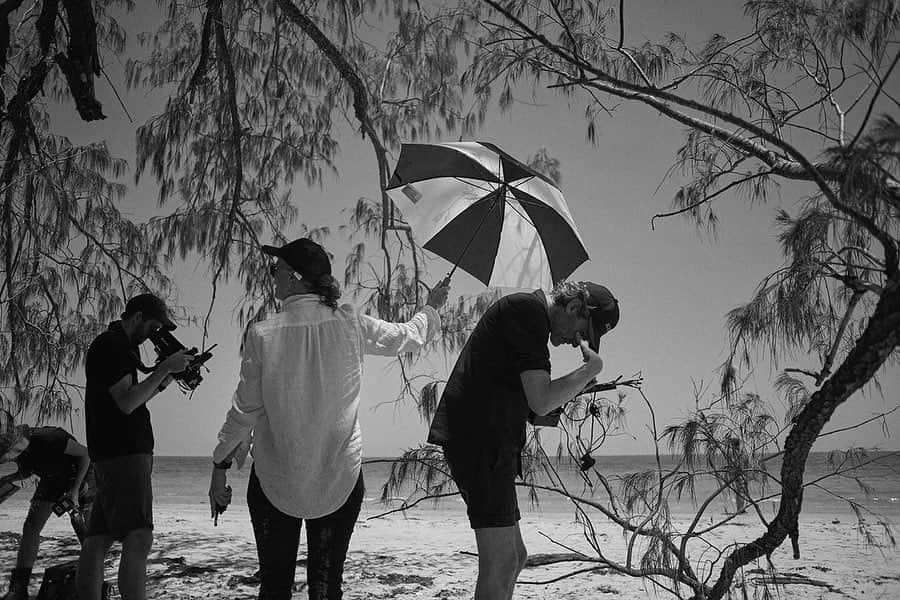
(298, 399)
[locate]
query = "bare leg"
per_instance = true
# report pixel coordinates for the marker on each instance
(89, 579)
(133, 565)
(501, 556)
(522, 556)
(38, 513)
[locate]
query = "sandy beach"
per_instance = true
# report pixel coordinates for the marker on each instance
(428, 554)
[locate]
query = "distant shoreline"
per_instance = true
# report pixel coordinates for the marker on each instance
(595, 455)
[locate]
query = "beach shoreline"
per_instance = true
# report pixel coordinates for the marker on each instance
(429, 553)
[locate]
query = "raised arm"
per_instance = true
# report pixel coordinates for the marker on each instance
(129, 397)
(389, 339)
(544, 395)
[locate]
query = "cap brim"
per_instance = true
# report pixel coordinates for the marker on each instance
(168, 324)
(271, 250)
(594, 341)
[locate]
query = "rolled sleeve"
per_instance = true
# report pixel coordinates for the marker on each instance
(389, 339)
(246, 407)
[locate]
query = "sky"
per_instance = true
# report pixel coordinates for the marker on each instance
(673, 285)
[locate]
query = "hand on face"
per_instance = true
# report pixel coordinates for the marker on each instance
(591, 359)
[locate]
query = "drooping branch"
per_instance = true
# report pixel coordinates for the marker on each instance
(361, 111)
(81, 62)
(839, 335)
(223, 56)
(877, 342)
(202, 62)
(791, 162)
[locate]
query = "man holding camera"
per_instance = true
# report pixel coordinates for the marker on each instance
(502, 375)
(120, 443)
(298, 396)
(62, 466)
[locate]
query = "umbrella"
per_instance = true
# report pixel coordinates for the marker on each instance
(487, 213)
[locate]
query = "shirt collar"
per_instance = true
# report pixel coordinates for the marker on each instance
(300, 299)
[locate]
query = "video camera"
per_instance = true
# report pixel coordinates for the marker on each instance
(166, 344)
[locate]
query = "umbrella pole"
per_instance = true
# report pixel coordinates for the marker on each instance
(501, 197)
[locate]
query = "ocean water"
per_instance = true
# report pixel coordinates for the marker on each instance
(183, 481)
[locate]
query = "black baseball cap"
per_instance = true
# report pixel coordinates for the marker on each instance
(304, 256)
(152, 307)
(603, 309)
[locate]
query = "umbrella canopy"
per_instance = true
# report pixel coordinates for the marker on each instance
(487, 213)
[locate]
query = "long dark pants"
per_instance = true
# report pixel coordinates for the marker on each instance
(278, 537)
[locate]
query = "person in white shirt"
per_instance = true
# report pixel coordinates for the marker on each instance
(298, 401)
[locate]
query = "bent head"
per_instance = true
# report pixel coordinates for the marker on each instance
(583, 310)
(13, 442)
(144, 315)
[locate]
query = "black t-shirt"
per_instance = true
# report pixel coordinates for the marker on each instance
(46, 455)
(483, 401)
(110, 432)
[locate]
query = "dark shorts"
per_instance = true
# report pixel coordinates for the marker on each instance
(124, 500)
(486, 477)
(51, 489)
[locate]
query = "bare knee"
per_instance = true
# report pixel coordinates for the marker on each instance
(500, 565)
(139, 541)
(521, 557)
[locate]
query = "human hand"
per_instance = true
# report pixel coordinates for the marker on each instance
(592, 360)
(219, 494)
(177, 362)
(437, 296)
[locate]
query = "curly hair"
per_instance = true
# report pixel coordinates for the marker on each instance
(566, 291)
(328, 290)
(11, 435)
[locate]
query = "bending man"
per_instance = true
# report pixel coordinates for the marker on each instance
(63, 466)
(502, 373)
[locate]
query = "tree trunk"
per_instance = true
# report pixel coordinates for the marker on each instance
(880, 338)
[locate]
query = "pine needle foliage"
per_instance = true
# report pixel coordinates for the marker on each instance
(799, 107)
(68, 257)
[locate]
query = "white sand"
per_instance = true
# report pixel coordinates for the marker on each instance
(423, 556)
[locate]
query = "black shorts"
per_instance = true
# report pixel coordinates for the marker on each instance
(486, 477)
(51, 489)
(124, 500)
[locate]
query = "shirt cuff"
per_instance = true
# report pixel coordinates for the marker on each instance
(434, 321)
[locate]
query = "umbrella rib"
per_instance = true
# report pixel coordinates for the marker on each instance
(471, 239)
(521, 214)
(471, 181)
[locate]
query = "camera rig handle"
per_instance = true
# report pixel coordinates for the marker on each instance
(166, 344)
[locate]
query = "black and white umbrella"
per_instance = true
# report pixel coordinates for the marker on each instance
(487, 213)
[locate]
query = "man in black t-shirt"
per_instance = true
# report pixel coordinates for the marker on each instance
(502, 374)
(62, 466)
(120, 442)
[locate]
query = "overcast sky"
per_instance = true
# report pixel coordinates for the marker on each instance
(674, 286)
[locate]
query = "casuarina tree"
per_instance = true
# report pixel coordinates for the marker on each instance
(68, 257)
